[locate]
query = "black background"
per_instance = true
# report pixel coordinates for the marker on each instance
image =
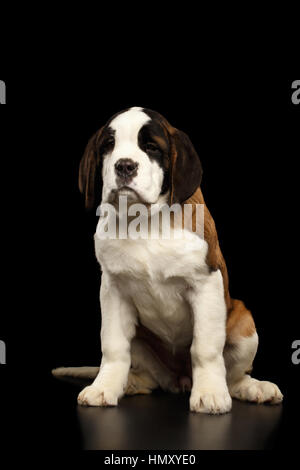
(246, 131)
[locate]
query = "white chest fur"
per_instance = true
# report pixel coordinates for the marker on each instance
(155, 275)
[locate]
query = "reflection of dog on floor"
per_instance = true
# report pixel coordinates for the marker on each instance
(167, 317)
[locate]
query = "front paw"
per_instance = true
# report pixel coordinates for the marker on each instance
(94, 396)
(210, 401)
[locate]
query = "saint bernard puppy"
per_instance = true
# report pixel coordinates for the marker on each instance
(168, 319)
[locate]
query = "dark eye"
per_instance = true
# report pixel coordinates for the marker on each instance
(151, 147)
(108, 145)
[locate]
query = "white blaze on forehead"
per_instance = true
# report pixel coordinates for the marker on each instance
(128, 124)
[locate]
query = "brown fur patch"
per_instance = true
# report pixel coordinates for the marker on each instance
(89, 166)
(240, 322)
(186, 168)
(214, 258)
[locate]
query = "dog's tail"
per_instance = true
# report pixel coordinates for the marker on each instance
(78, 372)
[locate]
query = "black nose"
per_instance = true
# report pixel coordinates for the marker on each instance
(126, 167)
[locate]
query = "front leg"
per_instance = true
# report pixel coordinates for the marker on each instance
(117, 331)
(209, 392)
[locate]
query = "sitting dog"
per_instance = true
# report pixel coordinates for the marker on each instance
(168, 319)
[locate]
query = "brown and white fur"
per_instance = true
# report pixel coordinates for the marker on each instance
(167, 316)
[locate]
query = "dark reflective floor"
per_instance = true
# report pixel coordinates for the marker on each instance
(162, 421)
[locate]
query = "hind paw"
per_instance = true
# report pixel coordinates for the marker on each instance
(249, 389)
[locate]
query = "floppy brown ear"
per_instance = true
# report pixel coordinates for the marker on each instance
(90, 168)
(186, 168)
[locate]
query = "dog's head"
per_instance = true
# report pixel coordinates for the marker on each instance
(140, 155)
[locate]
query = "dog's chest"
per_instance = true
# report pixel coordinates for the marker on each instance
(155, 275)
